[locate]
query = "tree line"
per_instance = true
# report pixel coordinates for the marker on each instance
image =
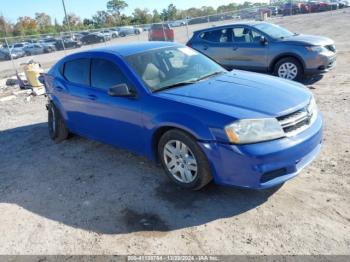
(42, 23)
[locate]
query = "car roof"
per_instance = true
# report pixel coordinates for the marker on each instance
(134, 48)
(249, 23)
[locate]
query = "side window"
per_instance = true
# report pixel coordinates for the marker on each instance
(241, 35)
(256, 36)
(216, 36)
(77, 71)
(105, 74)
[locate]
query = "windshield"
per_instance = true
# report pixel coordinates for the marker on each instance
(274, 31)
(169, 67)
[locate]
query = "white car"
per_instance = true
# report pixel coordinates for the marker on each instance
(178, 23)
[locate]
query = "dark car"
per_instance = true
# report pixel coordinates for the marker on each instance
(92, 39)
(15, 53)
(161, 32)
(4, 55)
(67, 43)
(265, 47)
(290, 9)
(274, 10)
(174, 105)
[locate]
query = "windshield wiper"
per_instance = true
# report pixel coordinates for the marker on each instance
(189, 82)
(185, 83)
(209, 75)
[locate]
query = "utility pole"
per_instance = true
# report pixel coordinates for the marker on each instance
(66, 17)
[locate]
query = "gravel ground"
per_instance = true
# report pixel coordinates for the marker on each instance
(83, 197)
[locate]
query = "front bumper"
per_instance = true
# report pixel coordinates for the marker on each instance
(320, 64)
(265, 164)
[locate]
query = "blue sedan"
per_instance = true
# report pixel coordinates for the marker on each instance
(176, 106)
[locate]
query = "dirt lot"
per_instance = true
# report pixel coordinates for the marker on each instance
(83, 197)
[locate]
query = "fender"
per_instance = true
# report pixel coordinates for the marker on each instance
(185, 122)
(290, 54)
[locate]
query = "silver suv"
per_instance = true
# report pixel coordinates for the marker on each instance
(265, 47)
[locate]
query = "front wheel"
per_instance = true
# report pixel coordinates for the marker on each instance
(289, 68)
(57, 127)
(183, 160)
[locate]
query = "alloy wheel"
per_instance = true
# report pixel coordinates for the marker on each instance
(180, 161)
(288, 70)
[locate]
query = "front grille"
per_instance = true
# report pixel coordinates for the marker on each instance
(331, 48)
(296, 121)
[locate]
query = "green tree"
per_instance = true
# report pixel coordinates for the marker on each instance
(156, 16)
(74, 21)
(6, 27)
(169, 13)
(103, 19)
(25, 26)
(141, 16)
(116, 6)
(44, 23)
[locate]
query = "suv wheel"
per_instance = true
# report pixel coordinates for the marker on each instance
(289, 68)
(183, 160)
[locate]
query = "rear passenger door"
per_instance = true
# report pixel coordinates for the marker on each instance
(217, 45)
(247, 50)
(73, 94)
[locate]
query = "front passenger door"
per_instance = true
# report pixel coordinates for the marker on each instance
(217, 45)
(114, 120)
(248, 52)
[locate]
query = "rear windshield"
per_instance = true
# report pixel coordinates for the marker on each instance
(160, 26)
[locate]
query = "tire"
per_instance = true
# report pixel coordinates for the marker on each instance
(57, 128)
(289, 68)
(192, 160)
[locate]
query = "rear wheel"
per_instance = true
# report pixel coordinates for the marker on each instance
(57, 127)
(183, 160)
(289, 68)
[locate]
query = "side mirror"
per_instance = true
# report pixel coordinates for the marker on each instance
(263, 40)
(121, 90)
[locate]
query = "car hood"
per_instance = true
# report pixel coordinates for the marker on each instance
(308, 40)
(260, 95)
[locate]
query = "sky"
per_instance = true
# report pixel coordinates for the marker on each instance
(12, 9)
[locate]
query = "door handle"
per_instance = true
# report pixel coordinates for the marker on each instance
(205, 47)
(92, 97)
(234, 48)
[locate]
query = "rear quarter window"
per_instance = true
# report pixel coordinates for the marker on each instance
(216, 36)
(78, 71)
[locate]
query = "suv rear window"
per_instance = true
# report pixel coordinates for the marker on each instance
(78, 71)
(160, 26)
(217, 36)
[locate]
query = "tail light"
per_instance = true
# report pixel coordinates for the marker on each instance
(171, 33)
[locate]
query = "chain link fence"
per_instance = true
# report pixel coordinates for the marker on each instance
(49, 48)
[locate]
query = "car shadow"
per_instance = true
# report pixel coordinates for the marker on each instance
(95, 187)
(310, 80)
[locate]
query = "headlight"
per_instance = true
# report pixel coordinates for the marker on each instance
(318, 49)
(312, 110)
(254, 130)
